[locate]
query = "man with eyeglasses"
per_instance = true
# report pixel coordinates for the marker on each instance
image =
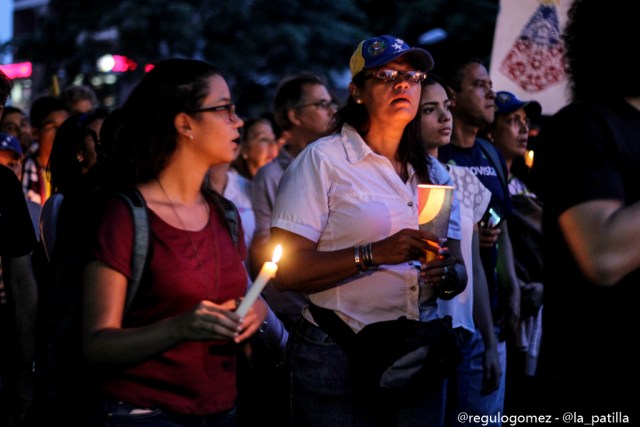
(304, 108)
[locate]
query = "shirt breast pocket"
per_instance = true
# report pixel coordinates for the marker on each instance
(371, 216)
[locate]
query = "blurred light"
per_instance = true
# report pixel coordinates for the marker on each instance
(148, 67)
(433, 36)
(122, 64)
(20, 70)
(116, 64)
(528, 159)
(106, 63)
(78, 79)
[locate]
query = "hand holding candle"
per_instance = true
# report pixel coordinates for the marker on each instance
(267, 272)
(434, 208)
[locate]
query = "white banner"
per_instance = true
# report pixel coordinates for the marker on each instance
(527, 51)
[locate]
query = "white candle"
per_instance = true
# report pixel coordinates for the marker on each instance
(267, 271)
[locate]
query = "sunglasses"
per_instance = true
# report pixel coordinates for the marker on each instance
(392, 75)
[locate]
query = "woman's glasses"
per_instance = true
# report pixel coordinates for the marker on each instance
(392, 75)
(230, 108)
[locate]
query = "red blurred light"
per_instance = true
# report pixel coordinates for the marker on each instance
(20, 70)
(122, 64)
(148, 67)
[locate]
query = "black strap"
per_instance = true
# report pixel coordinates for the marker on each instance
(138, 207)
(492, 154)
(141, 236)
(228, 213)
(335, 327)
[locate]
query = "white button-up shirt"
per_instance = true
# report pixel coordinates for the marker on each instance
(339, 193)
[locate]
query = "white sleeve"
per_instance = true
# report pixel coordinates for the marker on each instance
(302, 201)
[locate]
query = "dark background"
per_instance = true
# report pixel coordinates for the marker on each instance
(254, 42)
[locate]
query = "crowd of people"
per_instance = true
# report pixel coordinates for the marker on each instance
(490, 320)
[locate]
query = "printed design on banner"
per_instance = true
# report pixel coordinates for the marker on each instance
(535, 61)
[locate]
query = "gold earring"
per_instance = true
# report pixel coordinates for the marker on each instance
(358, 101)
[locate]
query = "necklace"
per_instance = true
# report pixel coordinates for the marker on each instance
(193, 246)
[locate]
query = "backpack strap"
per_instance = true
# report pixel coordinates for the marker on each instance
(493, 156)
(138, 208)
(231, 216)
(228, 212)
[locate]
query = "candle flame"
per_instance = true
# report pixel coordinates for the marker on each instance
(528, 159)
(277, 253)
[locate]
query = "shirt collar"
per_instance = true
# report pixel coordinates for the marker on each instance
(354, 145)
(357, 149)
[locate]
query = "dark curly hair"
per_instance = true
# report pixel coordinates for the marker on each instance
(146, 136)
(602, 39)
(410, 150)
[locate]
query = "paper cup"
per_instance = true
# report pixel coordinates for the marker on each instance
(434, 210)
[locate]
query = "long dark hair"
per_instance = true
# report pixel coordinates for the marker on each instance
(410, 150)
(146, 136)
(65, 171)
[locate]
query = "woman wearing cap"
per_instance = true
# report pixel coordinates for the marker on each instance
(346, 214)
(509, 133)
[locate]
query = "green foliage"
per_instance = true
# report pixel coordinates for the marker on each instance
(254, 42)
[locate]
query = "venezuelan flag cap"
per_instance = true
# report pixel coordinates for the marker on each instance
(11, 143)
(507, 102)
(377, 51)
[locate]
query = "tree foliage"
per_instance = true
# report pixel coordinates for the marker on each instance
(254, 42)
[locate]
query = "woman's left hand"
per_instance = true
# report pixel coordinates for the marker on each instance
(441, 274)
(253, 320)
(433, 271)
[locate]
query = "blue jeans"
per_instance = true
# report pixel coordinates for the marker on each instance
(324, 394)
(118, 414)
(463, 390)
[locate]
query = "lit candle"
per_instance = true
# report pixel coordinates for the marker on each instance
(528, 159)
(266, 273)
